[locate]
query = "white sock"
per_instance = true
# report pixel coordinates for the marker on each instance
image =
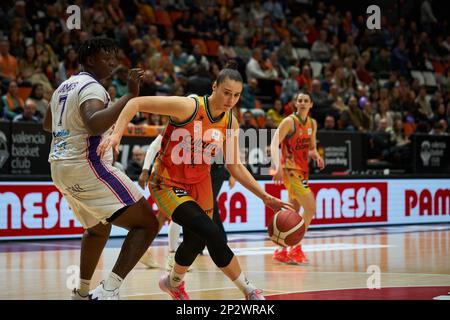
(174, 235)
(176, 278)
(113, 282)
(243, 284)
(83, 287)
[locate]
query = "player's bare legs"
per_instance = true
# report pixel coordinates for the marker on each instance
(143, 228)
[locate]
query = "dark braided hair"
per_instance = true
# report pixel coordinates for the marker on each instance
(229, 72)
(94, 46)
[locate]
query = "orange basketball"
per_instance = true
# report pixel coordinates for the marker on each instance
(286, 228)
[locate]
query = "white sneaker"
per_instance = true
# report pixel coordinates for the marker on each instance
(100, 293)
(170, 260)
(77, 296)
(148, 261)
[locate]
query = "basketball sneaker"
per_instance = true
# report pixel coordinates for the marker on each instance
(177, 293)
(297, 255)
(255, 295)
(100, 293)
(77, 296)
(148, 261)
(280, 255)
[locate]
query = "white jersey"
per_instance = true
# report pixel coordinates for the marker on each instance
(71, 139)
(94, 189)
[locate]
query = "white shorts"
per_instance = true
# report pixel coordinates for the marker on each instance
(94, 190)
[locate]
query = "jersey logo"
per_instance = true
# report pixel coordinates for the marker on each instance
(215, 135)
(180, 192)
(309, 131)
(305, 184)
(197, 126)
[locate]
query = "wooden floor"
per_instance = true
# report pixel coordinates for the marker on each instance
(407, 257)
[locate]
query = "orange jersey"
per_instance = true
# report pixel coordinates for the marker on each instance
(295, 147)
(187, 148)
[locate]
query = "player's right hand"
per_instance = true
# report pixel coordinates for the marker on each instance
(134, 77)
(143, 178)
(113, 141)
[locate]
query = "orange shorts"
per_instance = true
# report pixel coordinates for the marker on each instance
(168, 195)
(296, 183)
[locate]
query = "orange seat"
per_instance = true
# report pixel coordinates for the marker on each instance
(174, 15)
(162, 18)
(409, 129)
(23, 92)
(201, 43)
(213, 47)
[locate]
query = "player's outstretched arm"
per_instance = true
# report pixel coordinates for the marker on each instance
(242, 175)
(180, 109)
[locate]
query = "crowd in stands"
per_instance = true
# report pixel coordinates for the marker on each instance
(394, 81)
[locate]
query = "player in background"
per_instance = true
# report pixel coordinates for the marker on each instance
(180, 182)
(79, 114)
(297, 136)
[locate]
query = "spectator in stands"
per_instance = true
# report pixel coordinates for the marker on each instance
(248, 121)
(12, 103)
(115, 12)
(399, 59)
(200, 83)
(322, 105)
(8, 64)
(196, 58)
(134, 166)
(28, 114)
(29, 64)
(289, 85)
(178, 58)
(184, 28)
(305, 79)
(354, 117)
(68, 67)
(329, 123)
(275, 9)
(440, 128)
(423, 103)
(381, 65)
(320, 50)
(226, 51)
(257, 68)
(37, 96)
(384, 113)
(369, 113)
(248, 95)
(148, 85)
(120, 82)
(243, 52)
(427, 17)
(275, 113)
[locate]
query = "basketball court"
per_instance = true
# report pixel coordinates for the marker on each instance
(384, 263)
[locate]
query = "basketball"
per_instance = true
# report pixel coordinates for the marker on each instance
(286, 228)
